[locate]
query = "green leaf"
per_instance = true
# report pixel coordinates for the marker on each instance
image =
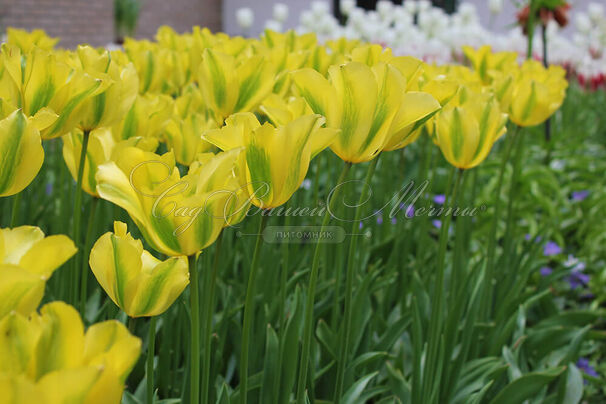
(526, 386)
(352, 395)
(270, 367)
(570, 390)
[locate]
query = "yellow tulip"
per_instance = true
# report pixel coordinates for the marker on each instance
(231, 84)
(161, 70)
(468, 126)
(26, 41)
(176, 215)
(487, 63)
(27, 260)
(147, 117)
(362, 101)
(537, 93)
(49, 357)
(101, 145)
(275, 160)
(183, 132)
(136, 281)
(22, 153)
(110, 105)
(45, 87)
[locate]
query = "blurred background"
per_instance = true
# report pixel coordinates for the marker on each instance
(101, 22)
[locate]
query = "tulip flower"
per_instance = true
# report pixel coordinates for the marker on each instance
(537, 93)
(362, 102)
(22, 153)
(136, 281)
(26, 41)
(275, 160)
(487, 63)
(101, 145)
(146, 118)
(232, 85)
(111, 104)
(176, 215)
(183, 132)
(45, 87)
(468, 126)
(27, 260)
(49, 358)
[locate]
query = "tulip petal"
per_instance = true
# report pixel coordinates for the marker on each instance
(56, 250)
(20, 290)
(22, 153)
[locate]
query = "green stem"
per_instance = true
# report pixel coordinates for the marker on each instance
(492, 241)
(437, 309)
(249, 312)
(349, 277)
(311, 291)
(208, 320)
(194, 292)
(15, 211)
(87, 247)
(78, 215)
(151, 343)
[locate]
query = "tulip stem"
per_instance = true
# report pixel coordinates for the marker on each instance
(87, 247)
(437, 309)
(208, 321)
(249, 311)
(78, 214)
(151, 343)
(349, 278)
(15, 211)
(195, 330)
(492, 241)
(311, 291)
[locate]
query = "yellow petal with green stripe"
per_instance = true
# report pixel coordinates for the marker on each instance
(20, 290)
(22, 153)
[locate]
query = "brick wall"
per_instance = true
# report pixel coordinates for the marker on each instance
(91, 21)
(74, 21)
(179, 14)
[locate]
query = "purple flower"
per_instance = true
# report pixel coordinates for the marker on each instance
(439, 199)
(380, 219)
(578, 196)
(527, 237)
(49, 189)
(583, 364)
(577, 279)
(409, 210)
(551, 248)
(394, 220)
(545, 271)
(437, 223)
(306, 184)
(361, 225)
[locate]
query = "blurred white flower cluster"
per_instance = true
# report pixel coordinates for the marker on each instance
(417, 28)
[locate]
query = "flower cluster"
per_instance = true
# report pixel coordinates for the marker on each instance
(185, 133)
(417, 28)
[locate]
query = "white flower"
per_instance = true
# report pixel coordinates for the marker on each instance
(307, 19)
(245, 17)
(582, 23)
(384, 8)
(596, 12)
(495, 6)
(280, 12)
(411, 7)
(320, 8)
(273, 25)
(346, 6)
